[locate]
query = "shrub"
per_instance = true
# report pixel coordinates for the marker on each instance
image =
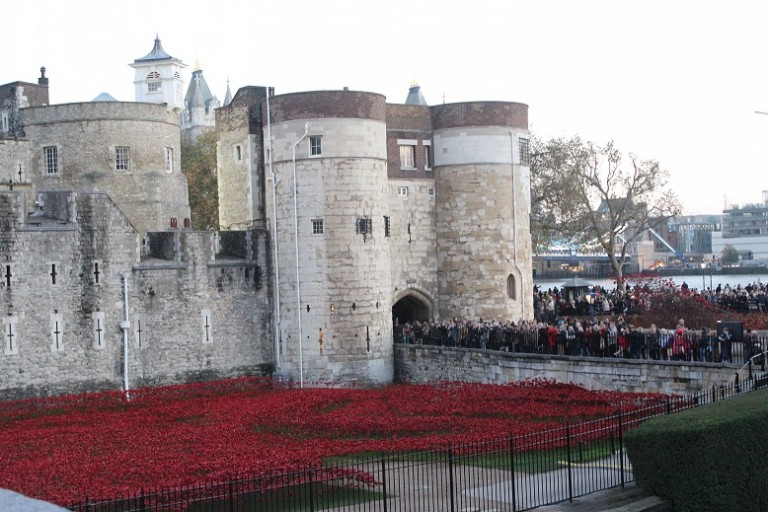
(708, 458)
(661, 302)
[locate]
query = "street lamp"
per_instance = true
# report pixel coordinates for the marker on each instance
(296, 240)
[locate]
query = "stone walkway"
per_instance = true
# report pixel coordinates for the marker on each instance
(427, 490)
(14, 502)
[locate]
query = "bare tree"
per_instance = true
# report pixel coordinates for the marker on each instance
(588, 194)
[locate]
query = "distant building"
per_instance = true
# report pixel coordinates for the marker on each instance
(199, 108)
(745, 227)
(17, 95)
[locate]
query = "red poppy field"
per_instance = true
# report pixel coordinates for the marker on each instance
(100, 445)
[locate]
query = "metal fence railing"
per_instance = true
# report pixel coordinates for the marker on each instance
(511, 473)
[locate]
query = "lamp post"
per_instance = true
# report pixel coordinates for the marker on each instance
(296, 241)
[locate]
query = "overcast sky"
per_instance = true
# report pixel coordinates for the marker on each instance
(674, 81)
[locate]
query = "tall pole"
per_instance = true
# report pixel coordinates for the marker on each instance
(125, 325)
(278, 326)
(296, 240)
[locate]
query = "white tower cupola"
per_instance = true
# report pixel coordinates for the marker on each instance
(158, 78)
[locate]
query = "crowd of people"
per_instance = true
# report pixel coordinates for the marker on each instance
(588, 338)
(595, 325)
(553, 303)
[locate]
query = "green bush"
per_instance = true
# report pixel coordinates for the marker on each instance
(712, 458)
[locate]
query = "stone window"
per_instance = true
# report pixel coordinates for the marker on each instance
(99, 331)
(10, 272)
(168, 159)
(57, 332)
(238, 153)
(4, 122)
(139, 335)
(96, 272)
(364, 226)
(206, 325)
(386, 225)
(525, 151)
(511, 287)
(407, 157)
(54, 273)
(427, 154)
(51, 155)
(122, 158)
(10, 335)
(431, 192)
(402, 191)
(317, 226)
(315, 145)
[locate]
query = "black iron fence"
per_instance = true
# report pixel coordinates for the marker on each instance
(511, 473)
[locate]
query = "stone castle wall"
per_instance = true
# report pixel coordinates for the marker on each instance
(421, 364)
(61, 297)
(242, 177)
(14, 157)
(86, 136)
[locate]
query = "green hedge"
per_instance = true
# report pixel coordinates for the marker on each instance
(712, 458)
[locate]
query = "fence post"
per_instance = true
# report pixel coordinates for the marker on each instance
(568, 454)
(738, 386)
(669, 405)
(311, 491)
(621, 449)
(142, 505)
(450, 476)
(384, 480)
(231, 496)
(512, 469)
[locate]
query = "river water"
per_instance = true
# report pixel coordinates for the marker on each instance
(699, 282)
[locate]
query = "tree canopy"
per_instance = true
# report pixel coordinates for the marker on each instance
(589, 194)
(729, 256)
(198, 163)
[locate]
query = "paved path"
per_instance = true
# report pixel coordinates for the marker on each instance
(426, 492)
(14, 502)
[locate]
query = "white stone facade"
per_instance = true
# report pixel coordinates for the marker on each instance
(343, 273)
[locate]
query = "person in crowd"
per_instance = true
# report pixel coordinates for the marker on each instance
(724, 340)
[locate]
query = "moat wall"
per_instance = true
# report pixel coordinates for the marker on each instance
(420, 364)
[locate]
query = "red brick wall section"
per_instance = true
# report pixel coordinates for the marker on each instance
(328, 104)
(485, 113)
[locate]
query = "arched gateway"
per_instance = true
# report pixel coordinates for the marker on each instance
(411, 305)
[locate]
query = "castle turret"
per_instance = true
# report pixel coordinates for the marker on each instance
(414, 95)
(482, 181)
(199, 107)
(227, 95)
(332, 205)
(158, 78)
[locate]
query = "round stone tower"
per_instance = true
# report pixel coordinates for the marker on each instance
(482, 189)
(131, 151)
(328, 179)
